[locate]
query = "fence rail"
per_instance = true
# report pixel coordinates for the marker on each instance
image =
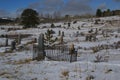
(57, 53)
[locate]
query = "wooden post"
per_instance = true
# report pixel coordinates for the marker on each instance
(72, 50)
(19, 39)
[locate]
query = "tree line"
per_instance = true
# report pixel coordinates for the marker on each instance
(31, 18)
(108, 12)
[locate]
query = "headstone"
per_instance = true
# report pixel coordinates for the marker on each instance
(41, 52)
(59, 33)
(69, 24)
(118, 30)
(6, 41)
(35, 40)
(13, 45)
(63, 33)
(61, 40)
(72, 49)
(96, 31)
(38, 50)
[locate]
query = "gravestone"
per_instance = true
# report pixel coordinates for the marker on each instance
(41, 52)
(63, 33)
(6, 41)
(38, 49)
(61, 40)
(13, 45)
(59, 33)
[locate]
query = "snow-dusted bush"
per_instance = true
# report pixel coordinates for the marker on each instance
(99, 58)
(90, 77)
(49, 40)
(52, 25)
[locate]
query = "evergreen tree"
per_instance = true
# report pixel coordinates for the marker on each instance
(98, 13)
(108, 12)
(49, 37)
(29, 18)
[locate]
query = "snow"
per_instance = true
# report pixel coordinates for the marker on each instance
(18, 65)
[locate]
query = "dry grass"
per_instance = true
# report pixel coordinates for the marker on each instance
(108, 71)
(65, 73)
(3, 73)
(2, 54)
(8, 51)
(25, 61)
(6, 75)
(90, 77)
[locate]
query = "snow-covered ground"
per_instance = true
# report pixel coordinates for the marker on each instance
(18, 65)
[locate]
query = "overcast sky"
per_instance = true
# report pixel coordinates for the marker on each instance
(14, 7)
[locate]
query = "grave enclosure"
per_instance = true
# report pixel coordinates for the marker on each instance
(56, 53)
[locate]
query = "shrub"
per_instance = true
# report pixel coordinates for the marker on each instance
(90, 77)
(74, 22)
(52, 25)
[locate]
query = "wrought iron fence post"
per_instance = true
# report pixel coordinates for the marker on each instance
(72, 50)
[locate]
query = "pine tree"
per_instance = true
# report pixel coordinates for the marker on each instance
(29, 18)
(49, 40)
(98, 13)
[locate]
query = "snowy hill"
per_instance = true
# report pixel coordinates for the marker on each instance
(105, 43)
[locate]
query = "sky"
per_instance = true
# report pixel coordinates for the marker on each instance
(13, 8)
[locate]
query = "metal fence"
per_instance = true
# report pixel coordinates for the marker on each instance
(56, 53)
(60, 53)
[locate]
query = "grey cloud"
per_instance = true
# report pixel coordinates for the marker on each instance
(116, 0)
(34, 5)
(72, 7)
(102, 6)
(50, 6)
(77, 7)
(47, 5)
(19, 11)
(4, 13)
(53, 3)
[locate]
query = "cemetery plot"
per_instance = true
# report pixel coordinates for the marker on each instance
(60, 53)
(85, 49)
